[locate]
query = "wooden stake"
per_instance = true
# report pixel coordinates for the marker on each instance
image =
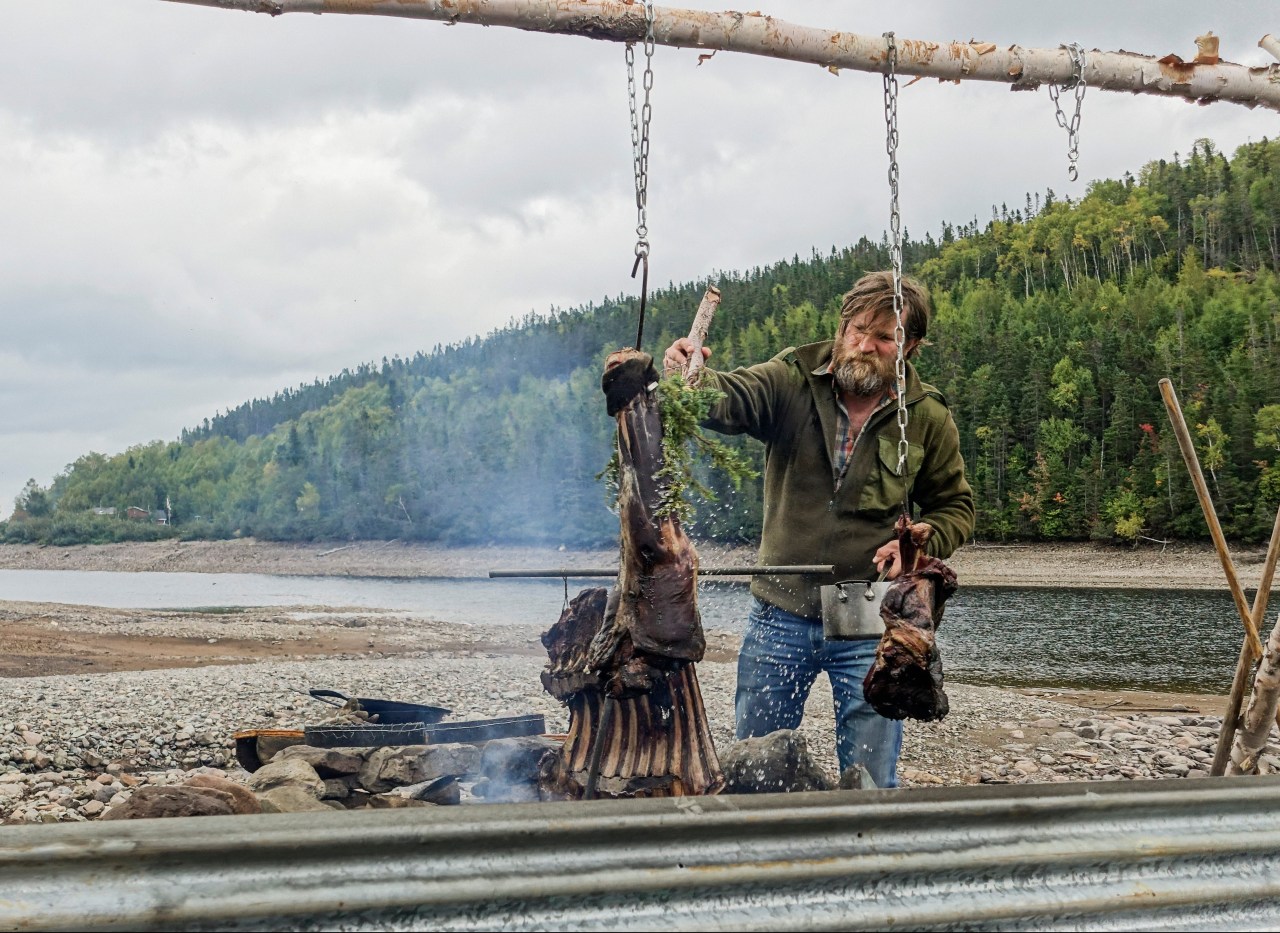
(1210, 516)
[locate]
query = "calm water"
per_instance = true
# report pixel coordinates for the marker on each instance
(1124, 639)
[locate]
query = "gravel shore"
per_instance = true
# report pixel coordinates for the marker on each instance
(1073, 564)
(162, 692)
(60, 736)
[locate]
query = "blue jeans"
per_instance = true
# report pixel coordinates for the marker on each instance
(781, 656)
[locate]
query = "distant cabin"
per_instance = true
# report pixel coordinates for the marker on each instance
(137, 514)
(160, 517)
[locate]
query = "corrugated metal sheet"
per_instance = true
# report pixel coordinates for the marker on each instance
(1163, 855)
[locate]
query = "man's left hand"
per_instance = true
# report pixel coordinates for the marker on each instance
(889, 555)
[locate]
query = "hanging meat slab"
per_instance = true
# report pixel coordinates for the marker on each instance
(636, 648)
(905, 682)
(652, 620)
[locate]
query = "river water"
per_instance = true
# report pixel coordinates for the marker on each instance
(1116, 639)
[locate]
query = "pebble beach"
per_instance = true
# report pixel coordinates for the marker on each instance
(74, 745)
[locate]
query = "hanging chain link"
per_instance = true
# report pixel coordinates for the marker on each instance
(640, 155)
(1078, 62)
(895, 245)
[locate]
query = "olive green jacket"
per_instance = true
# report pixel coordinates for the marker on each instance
(789, 403)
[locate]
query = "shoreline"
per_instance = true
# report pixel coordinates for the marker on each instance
(1181, 566)
(157, 694)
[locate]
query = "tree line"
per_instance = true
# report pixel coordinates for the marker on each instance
(1054, 322)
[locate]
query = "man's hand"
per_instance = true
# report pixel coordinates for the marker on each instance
(677, 356)
(889, 555)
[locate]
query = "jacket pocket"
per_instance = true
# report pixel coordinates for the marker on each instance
(884, 489)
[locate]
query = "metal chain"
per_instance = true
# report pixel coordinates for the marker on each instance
(895, 244)
(640, 155)
(1078, 62)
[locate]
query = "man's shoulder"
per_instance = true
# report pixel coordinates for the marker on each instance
(932, 404)
(933, 392)
(808, 357)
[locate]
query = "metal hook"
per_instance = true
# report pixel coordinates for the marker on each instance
(642, 258)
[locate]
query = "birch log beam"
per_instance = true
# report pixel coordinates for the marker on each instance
(755, 33)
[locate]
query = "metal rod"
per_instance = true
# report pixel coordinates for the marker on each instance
(781, 570)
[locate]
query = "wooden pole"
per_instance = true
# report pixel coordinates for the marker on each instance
(1252, 647)
(1202, 80)
(1244, 665)
(1210, 516)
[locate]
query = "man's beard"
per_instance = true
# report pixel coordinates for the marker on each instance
(862, 373)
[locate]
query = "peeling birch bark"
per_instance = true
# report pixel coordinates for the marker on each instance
(1251, 739)
(755, 33)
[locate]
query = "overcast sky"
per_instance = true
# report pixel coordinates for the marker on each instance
(202, 206)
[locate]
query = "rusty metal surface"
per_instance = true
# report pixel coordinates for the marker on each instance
(1161, 855)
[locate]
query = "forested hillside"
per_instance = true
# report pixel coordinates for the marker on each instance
(1055, 320)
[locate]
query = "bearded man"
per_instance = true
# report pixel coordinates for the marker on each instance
(826, 413)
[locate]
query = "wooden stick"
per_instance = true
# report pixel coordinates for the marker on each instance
(1210, 516)
(698, 334)
(1244, 666)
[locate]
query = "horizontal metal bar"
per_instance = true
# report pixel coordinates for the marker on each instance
(779, 570)
(1152, 856)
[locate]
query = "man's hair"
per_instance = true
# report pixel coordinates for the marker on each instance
(874, 292)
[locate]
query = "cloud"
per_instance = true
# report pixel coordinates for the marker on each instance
(202, 205)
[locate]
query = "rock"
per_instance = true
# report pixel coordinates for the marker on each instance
(93, 808)
(779, 761)
(289, 798)
(243, 800)
(400, 766)
(287, 772)
(339, 788)
(1080, 753)
(915, 776)
(327, 762)
(859, 778)
(163, 802)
